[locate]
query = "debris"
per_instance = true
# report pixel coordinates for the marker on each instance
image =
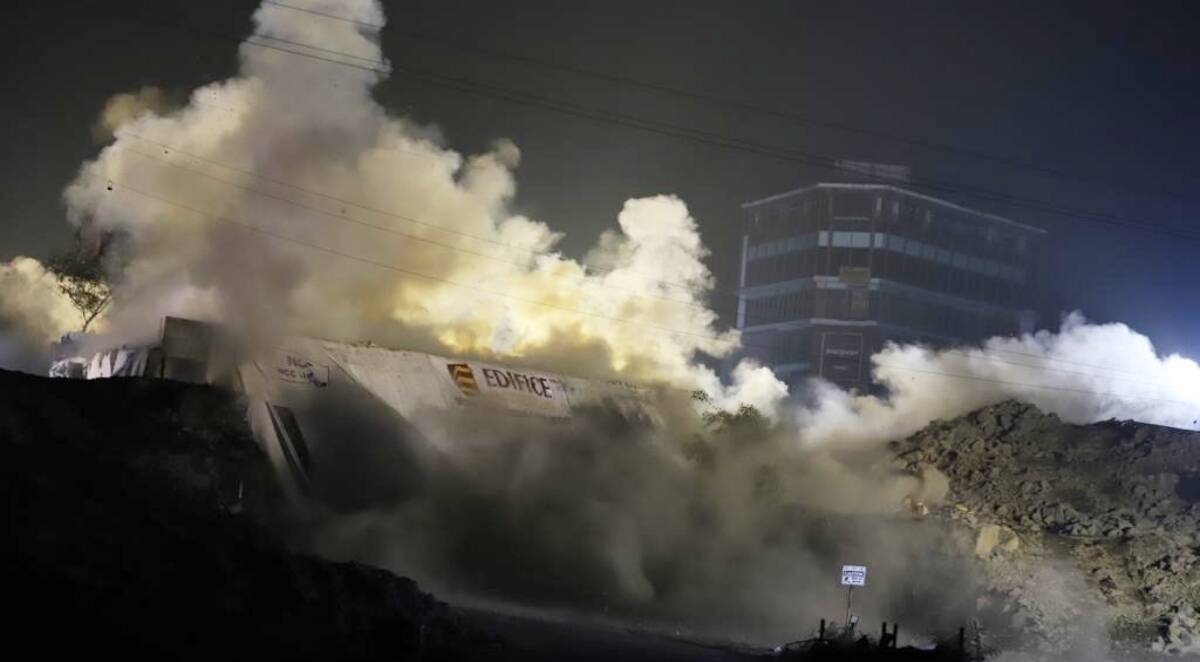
(1115, 502)
(993, 537)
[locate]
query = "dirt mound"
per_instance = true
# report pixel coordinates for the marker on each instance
(134, 527)
(1118, 501)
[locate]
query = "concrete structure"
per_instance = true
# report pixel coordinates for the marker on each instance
(302, 393)
(830, 272)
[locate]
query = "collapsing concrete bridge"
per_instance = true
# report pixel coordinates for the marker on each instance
(293, 380)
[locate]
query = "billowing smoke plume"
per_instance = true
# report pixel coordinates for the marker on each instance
(288, 199)
(729, 527)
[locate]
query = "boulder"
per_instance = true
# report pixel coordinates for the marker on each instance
(994, 537)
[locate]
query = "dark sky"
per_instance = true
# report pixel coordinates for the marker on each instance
(1104, 94)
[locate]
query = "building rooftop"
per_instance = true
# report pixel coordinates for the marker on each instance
(895, 189)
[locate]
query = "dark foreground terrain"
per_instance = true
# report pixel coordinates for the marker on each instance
(127, 533)
(136, 515)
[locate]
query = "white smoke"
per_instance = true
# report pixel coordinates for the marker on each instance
(125, 107)
(1083, 373)
(288, 199)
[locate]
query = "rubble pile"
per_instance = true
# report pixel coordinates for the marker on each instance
(1117, 503)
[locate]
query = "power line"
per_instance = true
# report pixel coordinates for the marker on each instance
(790, 155)
(726, 142)
(303, 54)
(361, 24)
(735, 104)
(369, 60)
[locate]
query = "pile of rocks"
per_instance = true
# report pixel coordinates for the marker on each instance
(1119, 501)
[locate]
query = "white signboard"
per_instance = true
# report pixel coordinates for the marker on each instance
(854, 575)
(512, 390)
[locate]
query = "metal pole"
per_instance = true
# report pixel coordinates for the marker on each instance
(822, 635)
(849, 602)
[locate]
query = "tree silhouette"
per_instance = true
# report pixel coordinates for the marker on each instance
(82, 279)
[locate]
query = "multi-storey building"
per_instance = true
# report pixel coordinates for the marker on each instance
(831, 272)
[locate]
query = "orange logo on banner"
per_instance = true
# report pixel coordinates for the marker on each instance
(463, 377)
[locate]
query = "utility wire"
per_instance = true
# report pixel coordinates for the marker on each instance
(314, 12)
(378, 210)
(1086, 216)
(784, 154)
(667, 129)
(734, 104)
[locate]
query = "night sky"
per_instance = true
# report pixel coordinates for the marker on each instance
(1017, 108)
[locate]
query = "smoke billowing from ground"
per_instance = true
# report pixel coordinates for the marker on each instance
(287, 199)
(727, 527)
(736, 524)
